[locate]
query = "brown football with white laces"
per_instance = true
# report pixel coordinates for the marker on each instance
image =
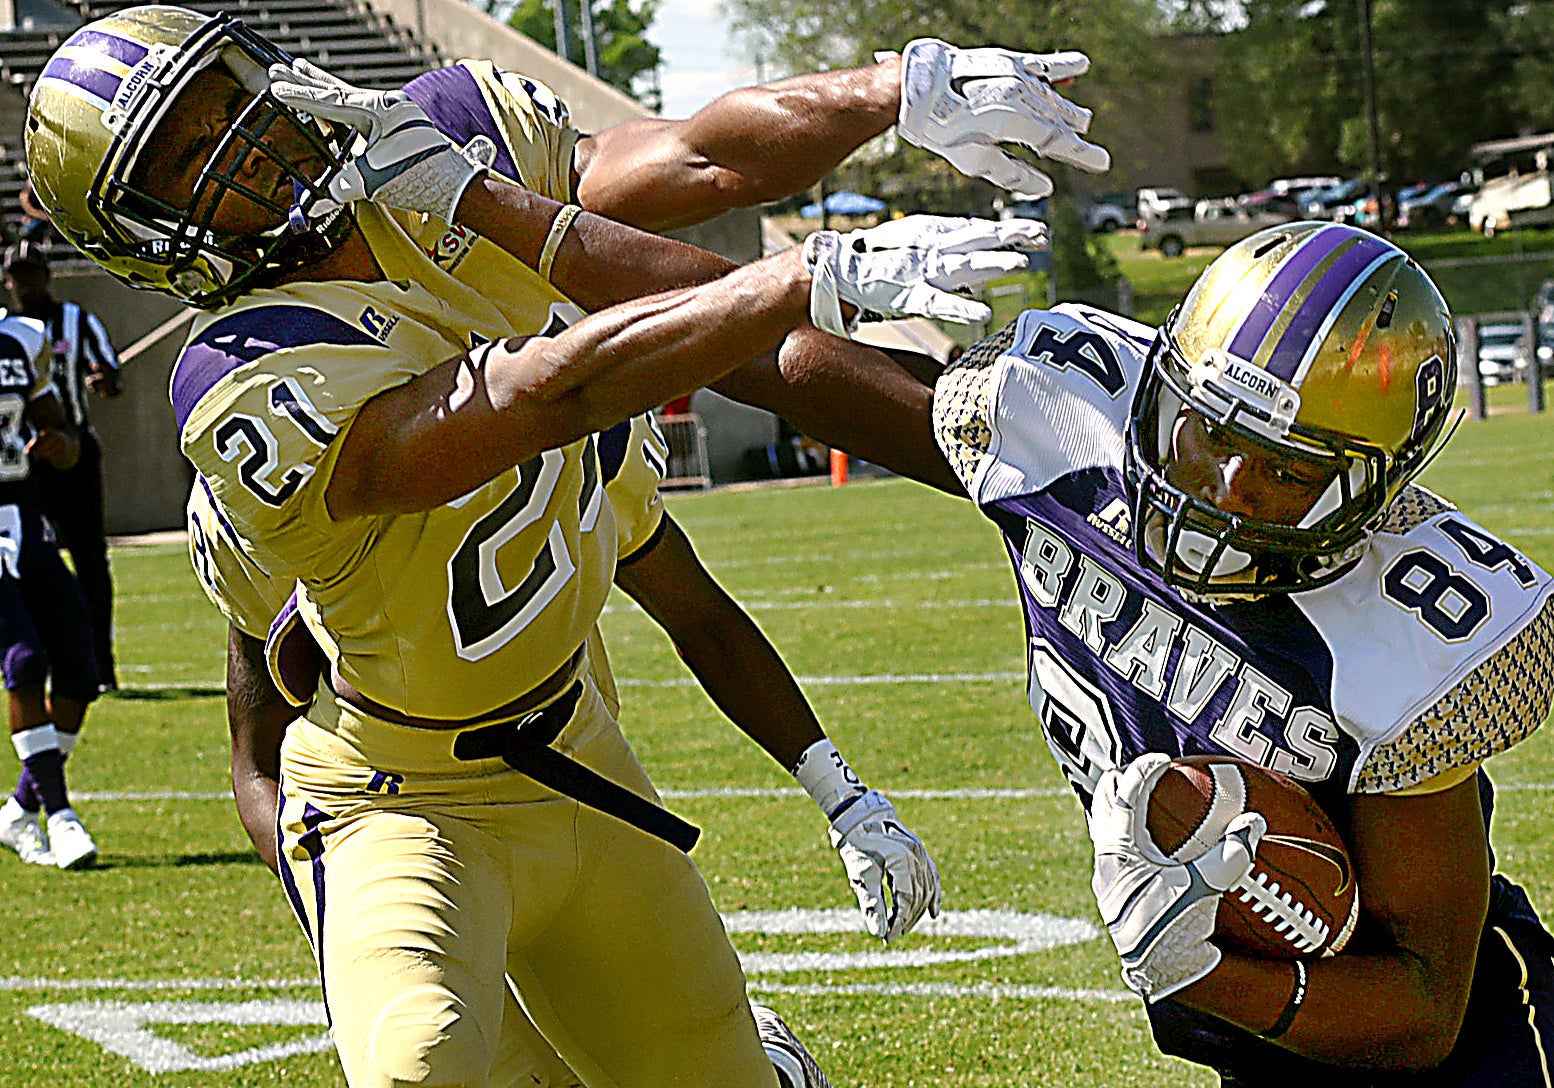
(1300, 899)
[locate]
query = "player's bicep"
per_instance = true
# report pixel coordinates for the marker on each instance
(1422, 864)
(668, 580)
(642, 172)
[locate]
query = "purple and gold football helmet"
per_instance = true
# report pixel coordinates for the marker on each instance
(1316, 340)
(91, 115)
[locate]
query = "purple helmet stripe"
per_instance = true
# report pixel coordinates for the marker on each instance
(91, 79)
(123, 50)
(1328, 292)
(1297, 266)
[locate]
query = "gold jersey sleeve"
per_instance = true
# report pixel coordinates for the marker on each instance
(529, 125)
(962, 403)
(447, 613)
(633, 458)
(247, 596)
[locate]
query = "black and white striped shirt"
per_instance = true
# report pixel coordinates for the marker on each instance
(81, 345)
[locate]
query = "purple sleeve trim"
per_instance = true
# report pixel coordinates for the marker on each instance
(245, 337)
(454, 103)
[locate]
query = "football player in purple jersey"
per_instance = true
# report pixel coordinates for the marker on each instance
(1220, 548)
(84, 362)
(45, 632)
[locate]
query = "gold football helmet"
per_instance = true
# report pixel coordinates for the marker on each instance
(1313, 340)
(91, 115)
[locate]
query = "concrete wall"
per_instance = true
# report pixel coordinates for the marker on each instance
(145, 478)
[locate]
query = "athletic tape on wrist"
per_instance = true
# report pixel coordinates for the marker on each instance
(1297, 998)
(558, 231)
(827, 778)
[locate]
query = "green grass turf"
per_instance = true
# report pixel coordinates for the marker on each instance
(878, 579)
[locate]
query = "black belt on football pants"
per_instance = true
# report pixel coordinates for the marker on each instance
(524, 744)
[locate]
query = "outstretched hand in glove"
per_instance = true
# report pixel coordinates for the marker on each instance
(911, 266)
(963, 104)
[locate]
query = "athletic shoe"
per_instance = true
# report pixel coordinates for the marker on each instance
(73, 847)
(796, 1068)
(19, 831)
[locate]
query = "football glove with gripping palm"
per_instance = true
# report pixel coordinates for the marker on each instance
(1159, 912)
(963, 103)
(879, 852)
(910, 266)
(401, 160)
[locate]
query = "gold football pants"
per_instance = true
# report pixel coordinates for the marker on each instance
(421, 881)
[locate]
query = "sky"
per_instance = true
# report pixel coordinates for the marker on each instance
(700, 59)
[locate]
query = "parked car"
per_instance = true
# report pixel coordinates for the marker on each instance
(1319, 203)
(1160, 201)
(1431, 208)
(1102, 216)
(1300, 188)
(1211, 223)
(1502, 356)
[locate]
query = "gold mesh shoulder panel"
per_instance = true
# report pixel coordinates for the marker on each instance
(962, 403)
(1496, 706)
(1413, 507)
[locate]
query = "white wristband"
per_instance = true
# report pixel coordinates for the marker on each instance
(827, 778)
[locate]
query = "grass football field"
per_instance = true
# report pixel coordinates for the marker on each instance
(175, 963)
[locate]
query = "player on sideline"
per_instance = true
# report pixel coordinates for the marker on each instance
(349, 435)
(45, 635)
(84, 361)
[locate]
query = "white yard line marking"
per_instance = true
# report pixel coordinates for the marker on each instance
(990, 990)
(125, 1029)
(874, 603)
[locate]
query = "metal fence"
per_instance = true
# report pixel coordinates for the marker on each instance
(688, 466)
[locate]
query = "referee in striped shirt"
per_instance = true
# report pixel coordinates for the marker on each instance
(84, 360)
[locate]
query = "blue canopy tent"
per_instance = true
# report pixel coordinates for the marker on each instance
(844, 202)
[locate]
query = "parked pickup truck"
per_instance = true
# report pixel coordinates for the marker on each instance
(1210, 223)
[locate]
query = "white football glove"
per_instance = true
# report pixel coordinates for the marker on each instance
(908, 266)
(400, 159)
(963, 103)
(879, 852)
(1160, 912)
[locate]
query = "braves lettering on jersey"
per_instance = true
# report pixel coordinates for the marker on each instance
(25, 371)
(1428, 657)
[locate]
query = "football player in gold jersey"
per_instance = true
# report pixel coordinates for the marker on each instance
(390, 410)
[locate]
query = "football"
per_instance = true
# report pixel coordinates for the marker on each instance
(1300, 899)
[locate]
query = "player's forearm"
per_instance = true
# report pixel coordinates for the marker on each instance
(257, 716)
(600, 262)
(1378, 1012)
(747, 147)
(456, 427)
(852, 397)
(732, 660)
(630, 358)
